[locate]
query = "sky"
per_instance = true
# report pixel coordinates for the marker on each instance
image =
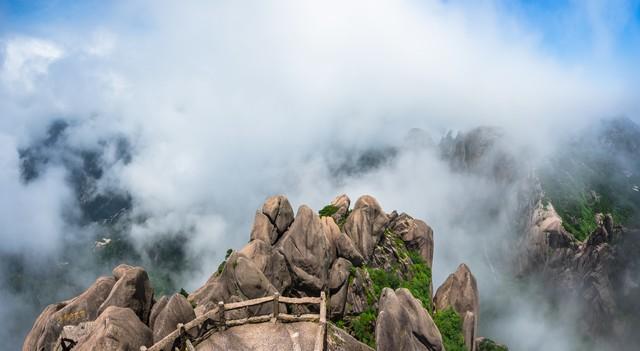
(227, 103)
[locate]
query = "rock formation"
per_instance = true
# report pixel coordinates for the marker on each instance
(404, 324)
(582, 271)
(460, 292)
(374, 266)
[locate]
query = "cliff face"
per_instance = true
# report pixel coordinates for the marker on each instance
(572, 239)
(374, 266)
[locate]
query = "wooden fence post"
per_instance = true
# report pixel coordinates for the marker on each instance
(322, 328)
(276, 307)
(221, 313)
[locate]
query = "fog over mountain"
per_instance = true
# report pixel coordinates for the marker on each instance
(149, 132)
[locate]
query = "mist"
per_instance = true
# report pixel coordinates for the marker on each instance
(222, 104)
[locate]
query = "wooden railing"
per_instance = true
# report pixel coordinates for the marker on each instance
(187, 336)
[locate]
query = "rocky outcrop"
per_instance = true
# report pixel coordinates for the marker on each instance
(82, 308)
(306, 249)
(365, 225)
(295, 256)
(117, 328)
(338, 286)
(132, 290)
(272, 220)
(483, 151)
(38, 331)
(460, 292)
(403, 324)
(340, 244)
(342, 203)
(271, 262)
(279, 336)
(240, 279)
(416, 234)
(176, 310)
(580, 271)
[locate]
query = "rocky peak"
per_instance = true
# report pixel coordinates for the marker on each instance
(374, 266)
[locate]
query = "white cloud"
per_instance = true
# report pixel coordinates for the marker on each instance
(26, 59)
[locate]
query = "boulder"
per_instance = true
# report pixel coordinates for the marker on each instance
(416, 234)
(307, 251)
(342, 202)
(340, 340)
(365, 225)
(156, 309)
(263, 229)
(120, 270)
(340, 244)
(279, 211)
(133, 290)
(116, 329)
(270, 261)
(403, 324)
(31, 341)
(83, 308)
(469, 330)
(272, 220)
(338, 285)
(176, 310)
(460, 292)
(241, 278)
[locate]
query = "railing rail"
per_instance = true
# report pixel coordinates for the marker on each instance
(214, 320)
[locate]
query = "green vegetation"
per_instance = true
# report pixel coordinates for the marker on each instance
(450, 325)
(417, 280)
(586, 178)
(490, 345)
(420, 280)
(578, 209)
(328, 211)
(381, 279)
(184, 293)
(343, 220)
(418, 284)
(363, 327)
(224, 263)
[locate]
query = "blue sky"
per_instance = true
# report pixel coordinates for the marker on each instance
(567, 28)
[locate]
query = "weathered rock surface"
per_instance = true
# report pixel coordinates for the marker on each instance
(340, 340)
(403, 324)
(281, 336)
(279, 211)
(460, 292)
(240, 278)
(340, 244)
(342, 202)
(82, 308)
(118, 329)
(338, 285)
(365, 224)
(176, 310)
(156, 309)
(39, 327)
(132, 290)
(415, 233)
(306, 249)
(580, 271)
(271, 262)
